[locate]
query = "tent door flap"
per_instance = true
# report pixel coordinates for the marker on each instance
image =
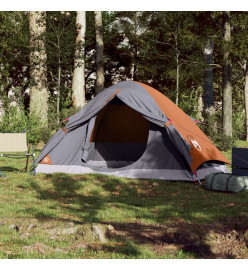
(86, 144)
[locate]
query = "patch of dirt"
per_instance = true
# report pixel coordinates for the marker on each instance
(43, 249)
(224, 239)
(227, 238)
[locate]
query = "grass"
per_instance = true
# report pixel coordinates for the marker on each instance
(139, 209)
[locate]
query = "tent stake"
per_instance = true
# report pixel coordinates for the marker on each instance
(197, 178)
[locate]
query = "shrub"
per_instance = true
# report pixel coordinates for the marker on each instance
(239, 124)
(16, 119)
(222, 141)
(213, 131)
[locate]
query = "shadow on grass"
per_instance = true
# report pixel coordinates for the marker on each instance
(10, 169)
(65, 191)
(171, 238)
(157, 202)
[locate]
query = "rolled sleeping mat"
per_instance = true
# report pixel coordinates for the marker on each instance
(226, 182)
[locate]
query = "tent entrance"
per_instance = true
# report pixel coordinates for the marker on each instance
(119, 137)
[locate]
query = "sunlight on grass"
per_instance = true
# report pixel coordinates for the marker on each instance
(54, 201)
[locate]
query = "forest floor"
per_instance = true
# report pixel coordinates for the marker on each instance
(96, 216)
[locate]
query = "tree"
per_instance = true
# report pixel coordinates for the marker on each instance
(227, 83)
(78, 81)
(99, 52)
(209, 78)
(14, 56)
(208, 30)
(172, 39)
(118, 49)
(118, 46)
(38, 68)
(246, 97)
(240, 58)
(60, 39)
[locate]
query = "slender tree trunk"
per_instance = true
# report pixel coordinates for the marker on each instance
(177, 80)
(246, 99)
(78, 81)
(2, 110)
(99, 52)
(38, 68)
(135, 69)
(227, 83)
(199, 106)
(136, 49)
(177, 64)
(208, 96)
(58, 95)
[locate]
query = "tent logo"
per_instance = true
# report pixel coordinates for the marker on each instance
(195, 143)
(46, 159)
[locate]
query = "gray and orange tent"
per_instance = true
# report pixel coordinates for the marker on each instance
(132, 130)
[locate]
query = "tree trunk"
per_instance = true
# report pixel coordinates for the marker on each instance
(246, 99)
(135, 69)
(177, 64)
(38, 68)
(78, 81)
(227, 83)
(136, 49)
(58, 94)
(99, 52)
(2, 110)
(208, 96)
(177, 80)
(199, 106)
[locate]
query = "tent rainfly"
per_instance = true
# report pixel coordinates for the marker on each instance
(132, 130)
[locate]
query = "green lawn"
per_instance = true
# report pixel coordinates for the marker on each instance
(151, 219)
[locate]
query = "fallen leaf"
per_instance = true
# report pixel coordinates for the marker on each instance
(230, 204)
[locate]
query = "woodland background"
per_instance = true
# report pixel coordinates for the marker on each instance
(52, 63)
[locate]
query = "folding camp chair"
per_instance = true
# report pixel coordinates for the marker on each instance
(11, 144)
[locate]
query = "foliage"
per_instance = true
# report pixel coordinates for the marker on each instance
(14, 52)
(215, 132)
(60, 41)
(239, 132)
(172, 39)
(16, 120)
(189, 103)
(138, 45)
(222, 141)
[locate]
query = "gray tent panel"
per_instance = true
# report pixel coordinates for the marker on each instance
(181, 145)
(141, 101)
(114, 154)
(51, 144)
(91, 108)
(163, 174)
(69, 151)
(86, 144)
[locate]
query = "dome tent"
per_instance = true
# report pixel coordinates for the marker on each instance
(132, 130)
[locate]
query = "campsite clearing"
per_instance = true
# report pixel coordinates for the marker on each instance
(49, 216)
